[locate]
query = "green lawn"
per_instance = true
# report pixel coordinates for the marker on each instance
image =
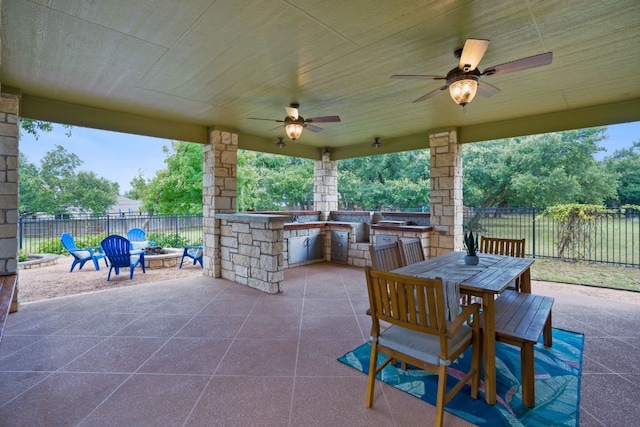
(582, 273)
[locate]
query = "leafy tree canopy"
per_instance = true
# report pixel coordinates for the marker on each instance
(538, 170)
(55, 187)
(397, 180)
(35, 127)
(625, 165)
(178, 187)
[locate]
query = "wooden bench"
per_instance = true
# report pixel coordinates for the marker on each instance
(520, 319)
(7, 287)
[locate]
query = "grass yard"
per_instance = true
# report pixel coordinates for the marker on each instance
(582, 273)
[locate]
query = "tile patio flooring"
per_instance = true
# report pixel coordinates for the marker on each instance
(208, 352)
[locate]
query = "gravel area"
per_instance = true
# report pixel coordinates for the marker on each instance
(52, 281)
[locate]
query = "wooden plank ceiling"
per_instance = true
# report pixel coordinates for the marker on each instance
(173, 69)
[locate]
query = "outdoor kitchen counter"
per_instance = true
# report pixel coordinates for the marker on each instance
(315, 224)
(251, 247)
(415, 228)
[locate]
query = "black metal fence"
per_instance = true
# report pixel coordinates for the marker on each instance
(613, 238)
(43, 235)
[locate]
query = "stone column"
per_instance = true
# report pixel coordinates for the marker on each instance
(219, 193)
(325, 185)
(446, 193)
(9, 133)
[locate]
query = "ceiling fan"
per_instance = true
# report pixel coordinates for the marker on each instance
(294, 123)
(464, 81)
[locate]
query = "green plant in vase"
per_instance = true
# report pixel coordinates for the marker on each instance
(470, 242)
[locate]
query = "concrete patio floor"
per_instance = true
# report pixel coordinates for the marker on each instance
(209, 352)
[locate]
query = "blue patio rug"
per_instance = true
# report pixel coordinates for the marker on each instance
(557, 384)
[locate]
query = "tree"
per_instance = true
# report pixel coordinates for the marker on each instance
(139, 187)
(93, 194)
(538, 170)
(625, 164)
(30, 185)
(178, 187)
(34, 127)
(398, 180)
(55, 187)
(274, 182)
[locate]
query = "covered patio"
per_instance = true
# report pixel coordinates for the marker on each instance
(205, 351)
(210, 351)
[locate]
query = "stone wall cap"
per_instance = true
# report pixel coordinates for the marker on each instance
(247, 217)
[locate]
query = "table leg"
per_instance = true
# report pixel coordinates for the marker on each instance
(525, 281)
(489, 348)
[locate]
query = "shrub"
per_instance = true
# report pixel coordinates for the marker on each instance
(169, 240)
(51, 246)
(577, 223)
(54, 246)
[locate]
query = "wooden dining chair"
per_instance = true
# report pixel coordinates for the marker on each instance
(506, 247)
(385, 257)
(500, 246)
(411, 250)
(419, 333)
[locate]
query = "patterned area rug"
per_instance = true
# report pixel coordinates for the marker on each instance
(557, 384)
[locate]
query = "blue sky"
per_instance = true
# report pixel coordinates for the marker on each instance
(118, 157)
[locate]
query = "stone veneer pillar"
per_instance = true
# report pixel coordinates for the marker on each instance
(9, 133)
(446, 193)
(325, 185)
(219, 193)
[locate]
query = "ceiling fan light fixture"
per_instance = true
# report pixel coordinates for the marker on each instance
(293, 128)
(463, 91)
(376, 143)
(280, 143)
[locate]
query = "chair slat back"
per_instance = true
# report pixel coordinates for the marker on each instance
(411, 302)
(117, 249)
(68, 242)
(499, 246)
(385, 257)
(136, 235)
(411, 251)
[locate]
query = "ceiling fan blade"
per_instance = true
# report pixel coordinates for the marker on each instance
(277, 127)
(292, 112)
(472, 53)
(325, 119)
(270, 120)
(313, 128)
(487, 90)
(418, 76)
(520, 64)
(431, 94)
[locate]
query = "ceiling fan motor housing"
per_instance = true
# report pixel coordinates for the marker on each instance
(457, 74)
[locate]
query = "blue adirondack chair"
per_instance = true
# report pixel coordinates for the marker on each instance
(193, 252)
(118, 250)
(82, 255)
(138, 239)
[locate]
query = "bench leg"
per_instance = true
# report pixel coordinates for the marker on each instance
(526, 366)
(546, 332)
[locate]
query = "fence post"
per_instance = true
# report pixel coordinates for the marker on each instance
(533, 248)
(108, 226)
(175, 245)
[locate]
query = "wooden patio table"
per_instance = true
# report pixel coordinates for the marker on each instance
(489, 278)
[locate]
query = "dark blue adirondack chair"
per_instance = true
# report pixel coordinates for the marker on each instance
(82, 255)
(118, 250)
(138, 239)
(193, 252)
